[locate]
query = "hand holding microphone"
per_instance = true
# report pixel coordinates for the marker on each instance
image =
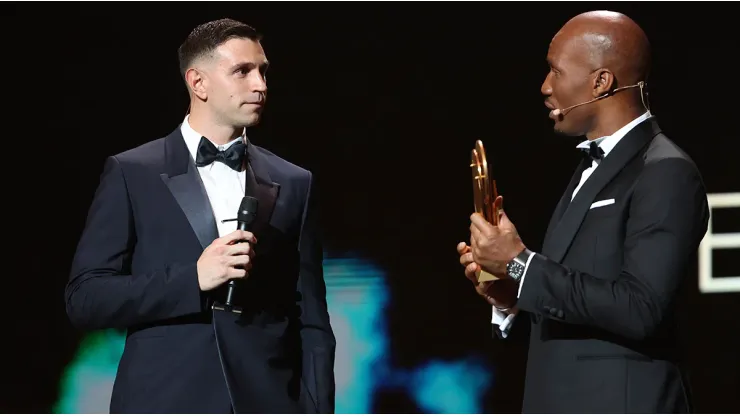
(228, 257)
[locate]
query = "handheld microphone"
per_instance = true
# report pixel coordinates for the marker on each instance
(561, 111)
(244, 219)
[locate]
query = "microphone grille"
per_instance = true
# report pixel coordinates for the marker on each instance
(248, 208)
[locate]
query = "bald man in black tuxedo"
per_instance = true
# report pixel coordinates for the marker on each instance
(601, 295)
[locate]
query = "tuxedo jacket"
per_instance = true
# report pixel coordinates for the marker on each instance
(602, 294)
(135, 268)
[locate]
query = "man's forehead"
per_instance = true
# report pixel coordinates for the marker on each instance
(564, 36)
(554, 49)
(566, 44)
(239, 49)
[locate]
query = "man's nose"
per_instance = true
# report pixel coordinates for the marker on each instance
(546, 88)
(259, 83)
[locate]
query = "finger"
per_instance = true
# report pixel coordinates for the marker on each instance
(240, 235)
(485, 227)
(498, 208)
(232, 238)
(242, 260)
(236, 273)
(466, 259)
(462, 248)
(238, 249)
(474, 234)
(476, 239)
(482, 234)
(470, 272)
(221, 241)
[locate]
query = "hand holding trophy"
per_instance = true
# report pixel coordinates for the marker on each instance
(485, 195)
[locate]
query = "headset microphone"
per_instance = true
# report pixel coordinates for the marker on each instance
(561, 111)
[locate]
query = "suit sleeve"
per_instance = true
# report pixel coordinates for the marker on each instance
(316, 332)
(667, 219)
(102, 292)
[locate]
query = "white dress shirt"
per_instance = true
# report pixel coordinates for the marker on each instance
(606, 143)
(225, 186)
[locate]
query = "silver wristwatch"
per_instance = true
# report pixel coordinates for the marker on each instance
(515, 268)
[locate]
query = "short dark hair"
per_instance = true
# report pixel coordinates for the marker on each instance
(205, 38)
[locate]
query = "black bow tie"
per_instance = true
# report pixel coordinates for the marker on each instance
(232, 157)
(594, 152)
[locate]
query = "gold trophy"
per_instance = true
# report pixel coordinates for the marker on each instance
(484, 195)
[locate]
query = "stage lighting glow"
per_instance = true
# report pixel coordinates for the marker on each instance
(88, 380)
(356, 295)
(451, 387)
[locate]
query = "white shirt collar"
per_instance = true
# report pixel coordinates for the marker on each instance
(192, 138)
(607, 143)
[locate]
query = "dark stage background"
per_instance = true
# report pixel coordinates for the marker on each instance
(384, 106)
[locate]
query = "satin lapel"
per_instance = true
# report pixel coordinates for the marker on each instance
(562, 235)
(261, 186)
(565, 199)
(183, 181)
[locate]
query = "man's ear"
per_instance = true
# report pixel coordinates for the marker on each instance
(603, 82)
(197, 83)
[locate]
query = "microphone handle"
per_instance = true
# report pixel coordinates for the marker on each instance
(232, 282)
(230, 293)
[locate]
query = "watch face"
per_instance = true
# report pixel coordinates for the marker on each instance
(515, 269)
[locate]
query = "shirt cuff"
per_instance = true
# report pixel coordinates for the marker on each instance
(521, 281)
(503, 320)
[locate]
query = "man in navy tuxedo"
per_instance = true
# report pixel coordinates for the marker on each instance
(156, 254)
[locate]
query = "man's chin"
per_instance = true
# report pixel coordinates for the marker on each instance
(251, 120)
(560, 131)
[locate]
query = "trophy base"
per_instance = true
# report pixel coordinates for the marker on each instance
(484, 276)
